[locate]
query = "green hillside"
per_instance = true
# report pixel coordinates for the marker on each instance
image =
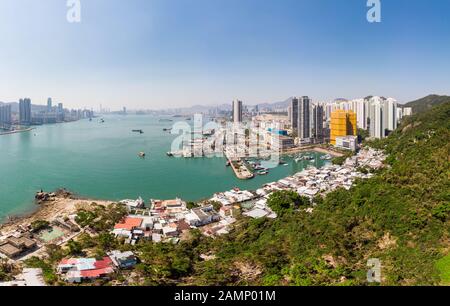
(427, 103)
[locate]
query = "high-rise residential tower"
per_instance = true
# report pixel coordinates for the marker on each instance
(317, 128)
(304, 118)
(25, 111)
(237, 111)
(390, 106)
(5, 115)
(293, 114)
(49, 105)
(376, 118)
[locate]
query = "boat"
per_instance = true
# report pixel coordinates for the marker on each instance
(326, 157)
(169, 154)
(141, 154)
(102, 120)
(228, 164)
(138, 131)
(263, 172)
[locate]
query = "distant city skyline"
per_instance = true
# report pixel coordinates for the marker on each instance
(161, 54)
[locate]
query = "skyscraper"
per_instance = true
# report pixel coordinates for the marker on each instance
(390, 106)
(60, 112)
(25, 111)
(361, 109)
(317, 129)
(304, 118)
(293, 115)
(49, 105)
(5, 115)
(376, 122)
(237, 111)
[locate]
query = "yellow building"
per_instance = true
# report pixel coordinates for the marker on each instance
(343, 123)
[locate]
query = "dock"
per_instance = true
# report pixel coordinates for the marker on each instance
(241, 171)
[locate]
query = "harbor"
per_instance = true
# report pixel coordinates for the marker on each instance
(107, 164)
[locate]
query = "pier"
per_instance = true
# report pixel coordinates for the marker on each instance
(241, 170)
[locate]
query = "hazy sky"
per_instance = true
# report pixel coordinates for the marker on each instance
(171, 53)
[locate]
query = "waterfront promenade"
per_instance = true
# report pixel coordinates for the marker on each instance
(315, 148)
(16, 131)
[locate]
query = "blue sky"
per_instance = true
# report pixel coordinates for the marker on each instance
(172, 53)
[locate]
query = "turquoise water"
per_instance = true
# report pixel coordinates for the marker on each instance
(99, 161)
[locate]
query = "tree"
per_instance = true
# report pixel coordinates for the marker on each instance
(74, 248)
(54, 253)
(106, 241)
(7, 270)
(191, 205)
(38, 225)
(282, 201)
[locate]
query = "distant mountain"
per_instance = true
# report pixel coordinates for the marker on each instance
(225, 107)
(276, 105)
(426, 103)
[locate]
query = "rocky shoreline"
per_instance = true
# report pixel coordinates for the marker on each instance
(48, 206)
